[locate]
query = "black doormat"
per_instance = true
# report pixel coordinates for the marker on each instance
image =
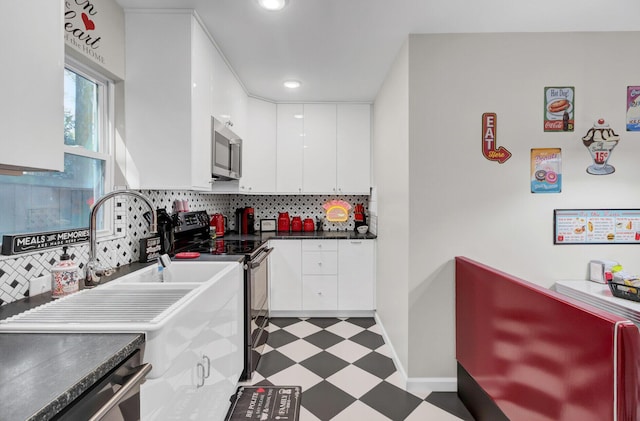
(265, 403)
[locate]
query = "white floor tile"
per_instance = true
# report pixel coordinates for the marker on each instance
(348, 351)
(307, 416)
(296, 375)
(358, 411)
(397, 380)
(376, 329)
(385, 350)
(299, 350)
(302, 329)
(427, 412)
(344, 329)
(353, 380)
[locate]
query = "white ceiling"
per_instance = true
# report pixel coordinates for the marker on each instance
(341, 50)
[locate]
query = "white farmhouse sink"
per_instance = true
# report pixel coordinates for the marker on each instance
(171, 313)
(177, 272)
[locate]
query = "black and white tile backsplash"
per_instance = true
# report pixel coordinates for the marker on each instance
(130, 226)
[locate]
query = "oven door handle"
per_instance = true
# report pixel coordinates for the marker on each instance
(263, 255)
(135, 380)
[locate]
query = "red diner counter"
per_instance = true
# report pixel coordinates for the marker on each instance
(527, 353)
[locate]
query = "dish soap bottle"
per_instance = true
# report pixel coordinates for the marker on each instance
(64, 276)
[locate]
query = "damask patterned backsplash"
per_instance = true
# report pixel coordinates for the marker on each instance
(131, 226)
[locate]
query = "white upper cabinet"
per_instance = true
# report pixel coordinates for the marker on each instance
(32, 86)
(259, 149)
(319, 147)
(353, 148)
(168, 112)
(290, 128)
(324, 148)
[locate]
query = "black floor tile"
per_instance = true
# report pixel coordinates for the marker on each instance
(450, 402)
(365, 322)
(376, 364)
(324, 364)
(273, 362)
(284, 321)
(325, 401)
(391, 401)
(280, 338)
(323, 322)
(324, 339)
(368, 339)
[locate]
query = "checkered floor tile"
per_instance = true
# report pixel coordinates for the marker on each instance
(346, 373)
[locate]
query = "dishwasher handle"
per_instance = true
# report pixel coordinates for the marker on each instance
(135, 380)
(263, 255)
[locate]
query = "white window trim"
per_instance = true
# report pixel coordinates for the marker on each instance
(106, 96)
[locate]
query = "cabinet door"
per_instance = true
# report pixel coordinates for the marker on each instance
(158, 98)
(319, 175)
(356, 275)
(319, 263)
(319, 292)
(259, 149)
(201, 68)
(290, 131)
(32, 85)
(286, 275)
(353, 148)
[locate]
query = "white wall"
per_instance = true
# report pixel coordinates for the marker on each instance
(462, 204)
(390, 154)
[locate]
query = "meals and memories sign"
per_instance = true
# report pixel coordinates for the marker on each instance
(25, 243)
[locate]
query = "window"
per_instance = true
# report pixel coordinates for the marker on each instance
(46, 201)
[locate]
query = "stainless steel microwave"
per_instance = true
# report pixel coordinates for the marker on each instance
(226, 148)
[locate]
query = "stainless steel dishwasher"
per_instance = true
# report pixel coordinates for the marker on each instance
(115, 397)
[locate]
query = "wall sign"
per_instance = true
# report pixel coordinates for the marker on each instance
(633, 108)
(546, 174)
(337, 210)
(558, 109)
(94, 30)
(25, 243)
(489, 134)
(600, 141)
(596, 226)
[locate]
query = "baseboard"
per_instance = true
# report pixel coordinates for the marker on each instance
(322, 313)
(417, 384)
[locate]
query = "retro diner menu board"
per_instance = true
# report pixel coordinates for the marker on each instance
(596, 226)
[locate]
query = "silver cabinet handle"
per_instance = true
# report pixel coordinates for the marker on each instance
(208, 369)
(200, 375)
(356, 242)
(135, 380)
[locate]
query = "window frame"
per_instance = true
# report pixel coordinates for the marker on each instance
(106, 138)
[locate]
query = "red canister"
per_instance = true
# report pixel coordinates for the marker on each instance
(283, 221)
(308, 225)
(296, 224)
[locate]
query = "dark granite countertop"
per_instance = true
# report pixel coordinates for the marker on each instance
(43, 372)
(318, 235)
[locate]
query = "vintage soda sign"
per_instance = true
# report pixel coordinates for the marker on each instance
(558, 109)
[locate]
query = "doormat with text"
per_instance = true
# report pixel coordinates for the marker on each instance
(265, 403)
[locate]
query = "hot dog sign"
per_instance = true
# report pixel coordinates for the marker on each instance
(558, 109)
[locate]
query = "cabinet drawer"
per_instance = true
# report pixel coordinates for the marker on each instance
(320, 292)
(319, 263)
(318, 245)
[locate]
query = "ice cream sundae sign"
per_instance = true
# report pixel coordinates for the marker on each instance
(600, 141)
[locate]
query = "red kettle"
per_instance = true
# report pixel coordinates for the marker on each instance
(283, 221)
(217, 222)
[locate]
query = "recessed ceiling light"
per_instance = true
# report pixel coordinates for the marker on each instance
(273, 5)
(298, 116)
(292, 84)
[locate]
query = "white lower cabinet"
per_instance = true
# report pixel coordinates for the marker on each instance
(199, 382)
(356, 277)
(285, 275)
(322, 277)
